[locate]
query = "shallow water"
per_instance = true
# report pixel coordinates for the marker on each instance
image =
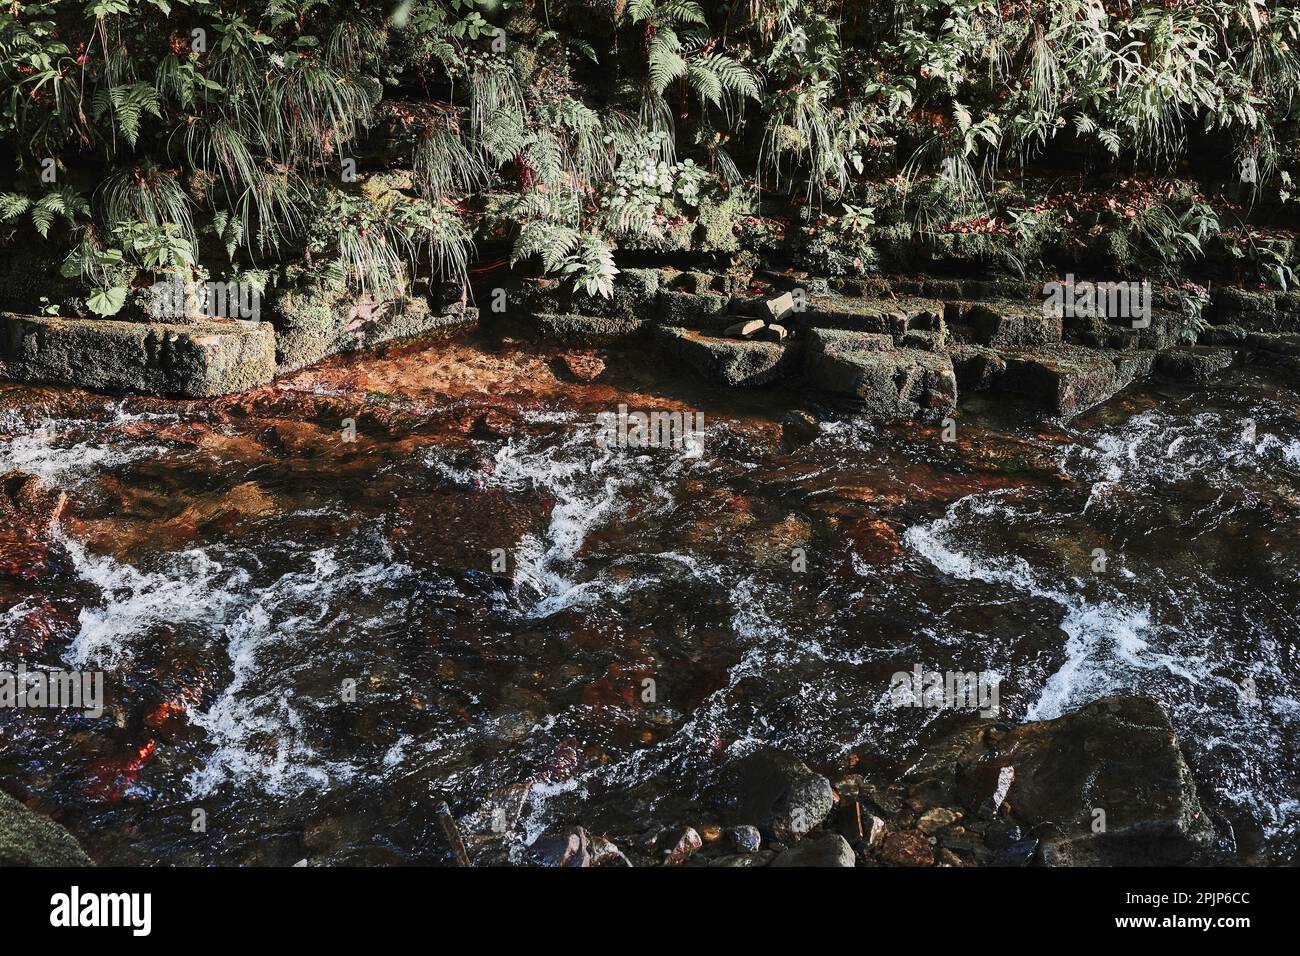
(306, 638)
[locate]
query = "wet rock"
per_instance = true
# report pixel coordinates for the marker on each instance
(728, 361)
(744, 839)
(29, 839)
(1196, 365)
(946, 857)
(1118, 756)
(493, 423)
(799, 426)
(907, 848)
(776, 792)
(967, 845)
(1020, 853)
(826, 849)
(572, 848)
(606, 853)
(761, 858)
(887, 385)
(30, 509)
(581, 367)
(680, 845)
(936, 819)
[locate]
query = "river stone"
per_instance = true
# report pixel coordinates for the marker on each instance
(29, 839)
(1196, 364)
(570, 848)
(728, 361)
(196, 360)
(1119, 755)
(744, 839)
(826, 849)
(887, 385)
(776, 792)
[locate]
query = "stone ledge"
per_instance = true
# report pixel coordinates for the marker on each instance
(200, 360)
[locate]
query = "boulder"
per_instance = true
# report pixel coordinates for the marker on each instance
(728, 361)
(826, 849)
(29, 839)
(587, 329)
(776, 792)
(1103, 785)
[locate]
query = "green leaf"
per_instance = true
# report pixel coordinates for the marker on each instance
(106, 302)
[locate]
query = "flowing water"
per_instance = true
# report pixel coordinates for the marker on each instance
(310, 639)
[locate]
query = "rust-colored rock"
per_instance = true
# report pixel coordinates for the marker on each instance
(907, 848)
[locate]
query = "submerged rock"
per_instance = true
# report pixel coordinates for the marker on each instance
(826, 849)
(776, 792)
(29, 839)
(1103, 785)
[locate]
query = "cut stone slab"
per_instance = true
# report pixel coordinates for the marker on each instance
(774, 333)
(978, 369)
(889, 385)
(922, 339)
(689, 310)
(587, 329)
(745, 330)
(198, 360)
(842, 341)
(1281, 343)
(729, 361)
(1069, 379)
(774, 310)
(1196, 365)
(309, 327)
(1005, 324)
(891, 316)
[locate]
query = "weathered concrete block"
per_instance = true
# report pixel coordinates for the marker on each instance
(687, 310)
(588, 329)
(1196, 365)
(1068, 379)
(842, 341)
(978, 369)
(729, 361)
(197, 360)
(1012, 325)
(897, 384)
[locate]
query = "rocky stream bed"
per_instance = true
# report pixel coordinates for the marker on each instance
(329, 606)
